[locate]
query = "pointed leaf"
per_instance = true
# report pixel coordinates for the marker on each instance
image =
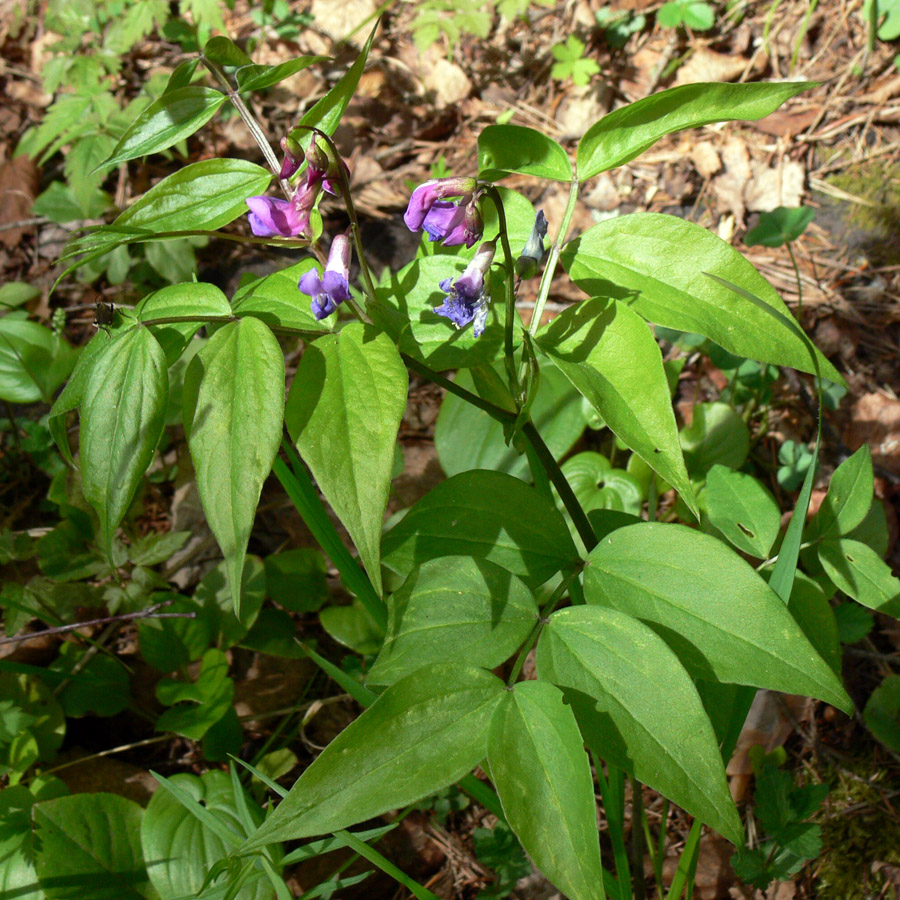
(485, 515)
(513, 148)
(181, 301)
(638, 708)
(860, 573)
(543, 777)
(203, 195)
(849, 496)
(122, 416)
(233, 408)
(343, 412)
(423, 733)
(257, 78)
(170, 119)
(454, 608)
(658, 264)
(90, 848)
(724, 622)
(742, 510)
(609, 354)
(627, 132)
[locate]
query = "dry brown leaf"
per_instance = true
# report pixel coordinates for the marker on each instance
(603, 194)
(728, 188)
(338, 18)
(707, 65)
(771, 187)
(19, 181)
(705, 158)
(787, 122)
(579, 110)
(448, 81)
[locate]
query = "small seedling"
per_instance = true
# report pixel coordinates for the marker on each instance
(571, 62)
(693, 14)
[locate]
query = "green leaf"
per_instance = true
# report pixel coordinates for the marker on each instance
(882, 712)
(34, 361)
(90, 848)
(343, 412)
(638, 708)
(223, 51)
(257, 78)
(465, 438)
(17, 293)
(181, 301)
(170, 644)
(404, 308)
(233, 409)
(660, 264)
(203, 195)
(541, 772)
(183, 848)
(860, 573)
(297, 579)
(276, 300)
(887, 15)
(724, 622)
(213, 594)
(122, 416)
(197, 706)
(717, 436)
(849, 496)
(485, 515)
(454, 608)
(779, 227)
(503, 149)
(423, 733)
(353, 627)
(695, 14)
(168, 120)
(810, 607)
(100, 683)
(853, 622)
(610, 356)
(627, 132)
(743, 511)
(597, 485)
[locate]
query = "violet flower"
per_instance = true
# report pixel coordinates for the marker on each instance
(329, 291)
(452, 223)
(466, 300)
(272, 217)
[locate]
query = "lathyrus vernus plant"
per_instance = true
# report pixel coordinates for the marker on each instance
(650, 637)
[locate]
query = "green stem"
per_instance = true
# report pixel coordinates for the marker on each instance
(790, 250)
(566, 494)
(531, 640)
(612, 793)
(510, 296)
(252, 125)
(552, 260)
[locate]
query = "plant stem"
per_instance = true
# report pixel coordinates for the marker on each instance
(790, 250)
(637, 839)
(252, 125)
(510, 296)
(531, 640)
(552, 260)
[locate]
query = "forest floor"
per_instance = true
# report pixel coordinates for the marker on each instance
(418, 111)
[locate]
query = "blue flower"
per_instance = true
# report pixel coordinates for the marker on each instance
(533, 252)
(466, 300)
(329, 291)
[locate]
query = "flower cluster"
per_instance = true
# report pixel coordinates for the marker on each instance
(273, 217)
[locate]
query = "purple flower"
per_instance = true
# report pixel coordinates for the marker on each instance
(466, 301)
(271, 217)
(329, 291)
(452, 223)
